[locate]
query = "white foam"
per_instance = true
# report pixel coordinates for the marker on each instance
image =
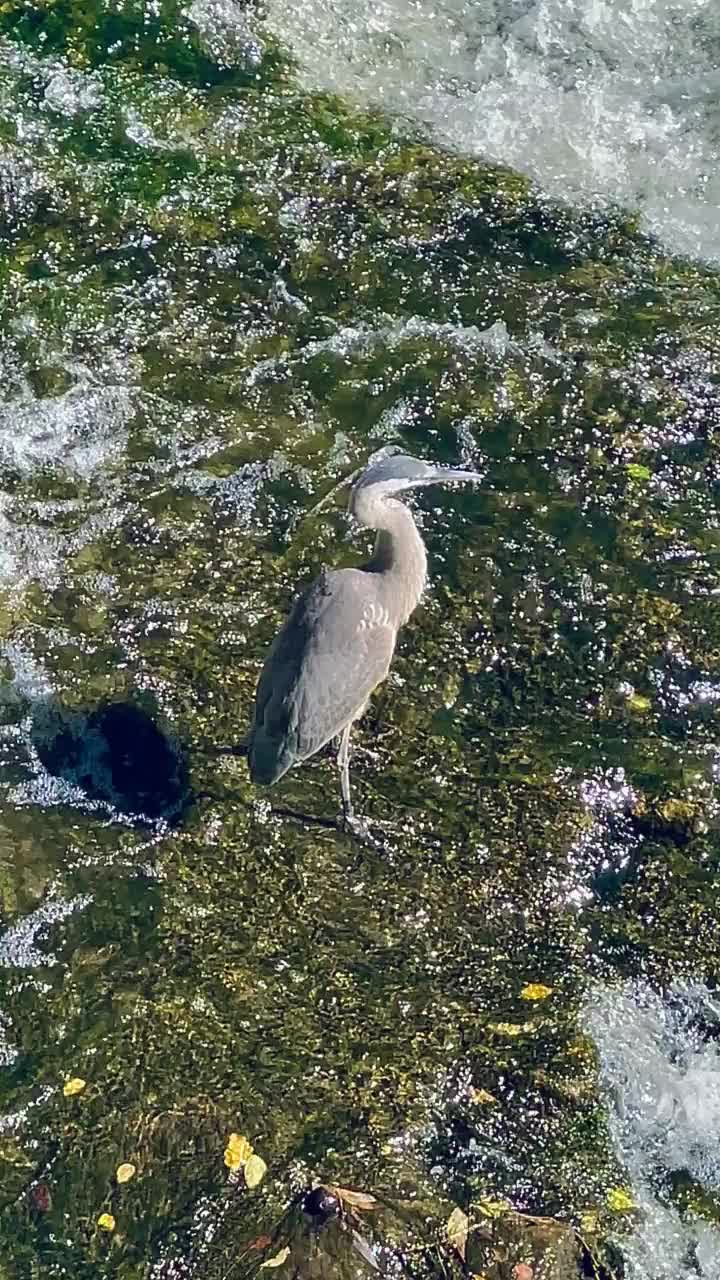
(79, 431)
(141, 133)
(362, 341)
(8, 1052)
(23, 185)
(30, 682)
(599, 101)
(71, 92)
(18, 945)
(15, 1121)
(661, 1074)
(226, 32)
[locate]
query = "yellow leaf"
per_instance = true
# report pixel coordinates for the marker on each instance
(639, 703)
(278, 1259)
(125, 1172)
(457, 1231)
(536, 991)
(481, 1097)
(493, 1208)
(237, 1152)
(240, 1146)
(71, 1087)
(620, 1200)
(510, 1028)
(106, 1222)
(255, 1170)
(590, 1222)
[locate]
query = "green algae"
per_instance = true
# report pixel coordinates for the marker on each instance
(160, 38)
(238, 971)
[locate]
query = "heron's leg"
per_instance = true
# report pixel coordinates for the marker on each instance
(343, 763)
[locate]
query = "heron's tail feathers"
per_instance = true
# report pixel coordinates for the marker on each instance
(268, 758)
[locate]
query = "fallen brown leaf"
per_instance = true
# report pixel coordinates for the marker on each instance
(40, 1197)
(357, 1199)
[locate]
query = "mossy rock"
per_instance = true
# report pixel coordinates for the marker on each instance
(515, 1246)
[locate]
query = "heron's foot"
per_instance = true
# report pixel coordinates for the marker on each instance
(367, 753)
(387, 828)
(359, 828)
(231, 749)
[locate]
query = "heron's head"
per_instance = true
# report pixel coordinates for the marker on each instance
(398, 474)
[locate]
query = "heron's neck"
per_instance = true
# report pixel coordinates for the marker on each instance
(399, 556)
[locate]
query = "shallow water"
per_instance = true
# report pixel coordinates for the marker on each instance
(223, 290)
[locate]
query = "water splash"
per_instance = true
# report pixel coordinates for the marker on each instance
(80, 431)
(363, 341)
(19, 944)
(599, 103)
(226, 32)
(71, 92)
(660, 1068)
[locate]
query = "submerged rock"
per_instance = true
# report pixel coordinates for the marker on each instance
(227, 32)
(522, 1247)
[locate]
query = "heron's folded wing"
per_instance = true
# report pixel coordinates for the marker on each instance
(333, 651)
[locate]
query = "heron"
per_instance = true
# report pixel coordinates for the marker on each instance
(337, 643)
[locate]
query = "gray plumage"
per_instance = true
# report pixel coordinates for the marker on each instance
(338, 641)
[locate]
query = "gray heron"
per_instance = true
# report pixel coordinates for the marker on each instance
(337, 643)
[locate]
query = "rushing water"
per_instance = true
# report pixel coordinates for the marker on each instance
(659, 1062)
(239, 252)
(601, 101)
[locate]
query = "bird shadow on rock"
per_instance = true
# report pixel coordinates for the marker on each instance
(118, 754)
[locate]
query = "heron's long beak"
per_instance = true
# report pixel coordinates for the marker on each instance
(446, 475)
